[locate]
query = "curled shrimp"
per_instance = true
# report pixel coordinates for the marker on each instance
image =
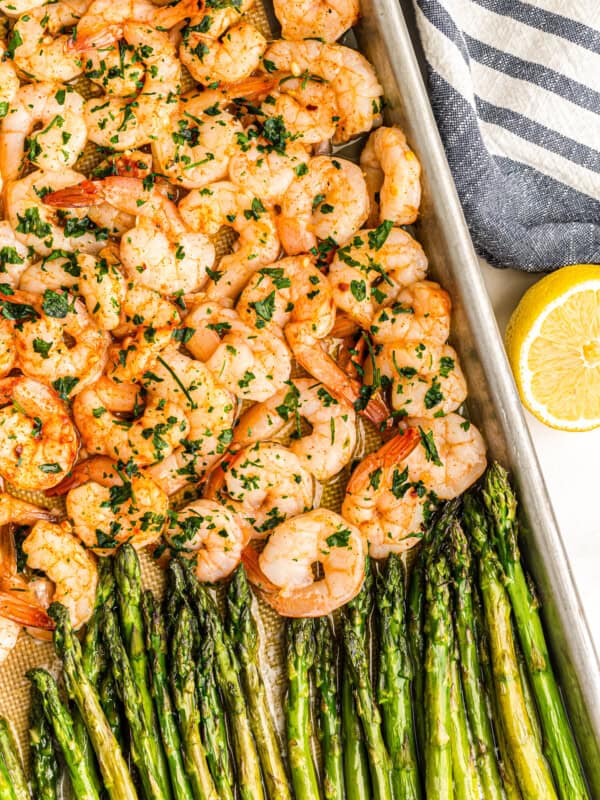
(393, 176)
(307, 106)
(39, 442)
(109, 505)
(15, 258)
(160, 252)
(43, 228)
(264, 483)
(284, 571)
(324, 451)
(56, 340)
(421, 313)
(9, 80)
(54, 112)
(369, 272)
(42, 35)
(53, 549)
(221, 204)
(450, 456)
(329, 202)
(211, 534)
(116, 68)
(14, 8)
(194, 150)
(251, 363)
(326, 20)
(380, 500)
(357, 90)
(219, 48)
(115, 420)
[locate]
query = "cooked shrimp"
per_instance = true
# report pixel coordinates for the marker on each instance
(9, 80)
(39, 443)
(45, 229)
(195, 148)
(380, 500)
(9, 635)
(221, 204)
(8, 356)
(14, 256)
(109, 506)
(357, 90)
(41, 51)
(307, 106)
(329, 201)
(216, 51)
(421, 313)
(129, 122)
(145, 308)
(326, 20)
(450, 456)
(264, 170)
(211, 534)
(53, 549)
(57, 111)
(149, 437)
(284, 571)
(425, 379)
(369, 272)
(264, 483)
(160, 252)
(327, 448)
(56, 340)
(116, 68)
(14, 8)
(104, 21)
(294, 295)
(393, 176)
(251, 363)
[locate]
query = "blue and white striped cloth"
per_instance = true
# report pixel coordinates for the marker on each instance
(515, 87)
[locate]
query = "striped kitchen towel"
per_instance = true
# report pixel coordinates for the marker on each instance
(515, 88)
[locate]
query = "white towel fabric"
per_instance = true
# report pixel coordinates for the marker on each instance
(515, 87)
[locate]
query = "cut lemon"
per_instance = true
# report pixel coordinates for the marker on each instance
(553, 344)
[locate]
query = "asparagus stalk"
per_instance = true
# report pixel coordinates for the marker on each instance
(128, 578)
(116, 777)
(416, 613)
(438, 713)
(12, 759)
(213, 722)
(528, 760)
(475, 697)
(84, 786)
(395, 677)
(300, 654)
(528, 693)
(44, 765)
(6, 788)
(464, 768)
(183, 684)
(559, 743)
(330, 726)
(156, 644)
(141, 735)
(243, 631)
(227, 671)
(109, 700)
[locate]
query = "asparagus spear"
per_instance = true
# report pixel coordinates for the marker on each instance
(395, 676)
(464, 768)
(141, 735)
(44, 765)
(6, 787)
(12, 759)
(300, 654)
(128, 578)
(436, 665)
(530, 766)
(58, 717)
(473, 687)
(183, 684)
(116, 777)
(227, 671)
(109, 700)
(243, 631)
(213, 722)
(559, 744)
(330, 727)
(156, 644)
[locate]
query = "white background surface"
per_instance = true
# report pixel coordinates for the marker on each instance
(570, 463)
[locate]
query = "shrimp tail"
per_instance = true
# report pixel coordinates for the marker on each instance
(23, 613)
(170, 15)
(250, 560)
(99, 469)
(86, 193)
(250, 87)
(388, 456)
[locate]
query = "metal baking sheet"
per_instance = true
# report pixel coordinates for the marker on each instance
(384, 36)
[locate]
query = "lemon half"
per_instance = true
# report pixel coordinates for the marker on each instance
(553, 344)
